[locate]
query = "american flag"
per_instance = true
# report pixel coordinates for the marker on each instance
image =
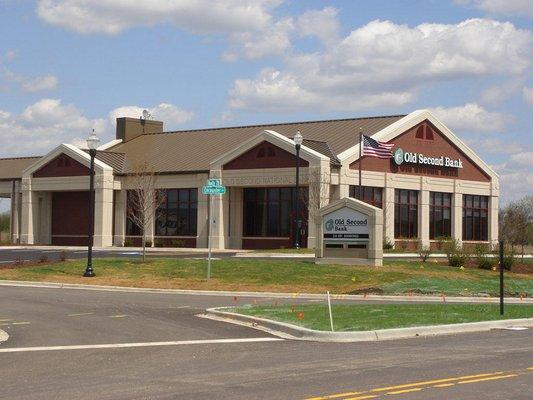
(373, 148)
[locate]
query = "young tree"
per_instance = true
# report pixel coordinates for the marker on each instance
(144, 199)
(318, 196)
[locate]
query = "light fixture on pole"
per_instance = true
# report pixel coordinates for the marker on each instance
(92, 143)
(298, 139)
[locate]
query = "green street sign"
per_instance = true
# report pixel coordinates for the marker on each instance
(213, 182)
(217, 190)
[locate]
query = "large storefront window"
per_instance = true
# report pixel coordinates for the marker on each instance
(268, 212)
(370, 194)
(405, 213)
(440, 211)
(132, 229)
(177, 215)
(475, 217)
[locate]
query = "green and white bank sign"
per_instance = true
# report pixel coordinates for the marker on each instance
(401, 157)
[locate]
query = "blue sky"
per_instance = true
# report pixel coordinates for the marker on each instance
(69, 66)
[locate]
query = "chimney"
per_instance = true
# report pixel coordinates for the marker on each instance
(130, 128)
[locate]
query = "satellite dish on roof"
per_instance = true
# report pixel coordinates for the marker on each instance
(146, 114)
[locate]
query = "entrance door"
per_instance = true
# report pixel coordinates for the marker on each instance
(70, 218)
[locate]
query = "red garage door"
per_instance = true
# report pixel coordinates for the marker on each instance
(70, 218)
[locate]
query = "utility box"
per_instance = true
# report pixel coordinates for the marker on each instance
(351, 233)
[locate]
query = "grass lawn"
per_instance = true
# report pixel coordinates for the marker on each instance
(395, 277)
(383, 316)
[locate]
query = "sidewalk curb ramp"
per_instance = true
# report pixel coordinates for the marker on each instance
(3, 336)
(290, 331)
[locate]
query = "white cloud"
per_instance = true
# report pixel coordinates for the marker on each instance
(322, 24)
(494, 145)
(46, 82)
(46, 123)
(499, 93)
(527, 93)
(274, 41)
(524, 158)
(516, 179)
(11, 55)
(200, 16)
(472, 117)
(385, 64)
(519, 8)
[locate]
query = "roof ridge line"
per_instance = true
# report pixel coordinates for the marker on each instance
(21, 158)
(271, 124)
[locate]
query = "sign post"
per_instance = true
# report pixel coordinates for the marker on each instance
(212, 188)
(501, 277)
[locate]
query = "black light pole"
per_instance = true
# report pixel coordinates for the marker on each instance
(92, 144)
(297, 143)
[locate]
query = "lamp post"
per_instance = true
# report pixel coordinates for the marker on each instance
(297, 144)
(92, 143)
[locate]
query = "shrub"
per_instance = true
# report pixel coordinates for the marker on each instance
(178, 243)
(159, 243)
(457, 256)
(63, 255)
(424, 252)
(481, 251)
(128, 242)
(43, 258)
(441, 242)
(148, 243)
(403, 244)
(387, 244)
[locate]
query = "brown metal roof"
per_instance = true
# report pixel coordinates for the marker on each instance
(193, 150)
(11, 168)
(111, 158)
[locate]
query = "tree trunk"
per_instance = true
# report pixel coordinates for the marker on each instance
(144, 246)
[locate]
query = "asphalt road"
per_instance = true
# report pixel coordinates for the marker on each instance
(203, 359)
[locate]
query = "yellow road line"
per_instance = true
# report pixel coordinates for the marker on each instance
(21, 323)
(77, 315)
(405, 391)
(361, 397)
(334, 396)
(385, 389)
(530, 368)
(444, 385)
(491, 378)
(118, 316)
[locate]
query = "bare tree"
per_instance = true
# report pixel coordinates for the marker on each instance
(315, 200)
(144, 200)
(516, 223)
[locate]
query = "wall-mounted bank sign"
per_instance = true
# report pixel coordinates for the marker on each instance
(401, 157)
(346, 224)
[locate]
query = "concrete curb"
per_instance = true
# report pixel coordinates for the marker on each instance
(275, 295)
(291, 331)
(3, 336)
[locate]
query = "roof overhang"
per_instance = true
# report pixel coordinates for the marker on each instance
(72, 151)
(275, 138)
(409, 121)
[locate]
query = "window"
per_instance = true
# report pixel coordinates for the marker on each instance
(268, 212)
(132, 229)
(177, 215)
(371, 195)
(405, 213)
(475, 217)
(440, 211)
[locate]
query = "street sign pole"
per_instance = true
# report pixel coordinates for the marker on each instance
(209, 238)
(212, 188)
(501, 277)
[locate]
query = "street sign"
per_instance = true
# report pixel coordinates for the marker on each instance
(216, 190)
(213, 182)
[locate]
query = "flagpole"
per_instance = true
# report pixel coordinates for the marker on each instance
(360, 162)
